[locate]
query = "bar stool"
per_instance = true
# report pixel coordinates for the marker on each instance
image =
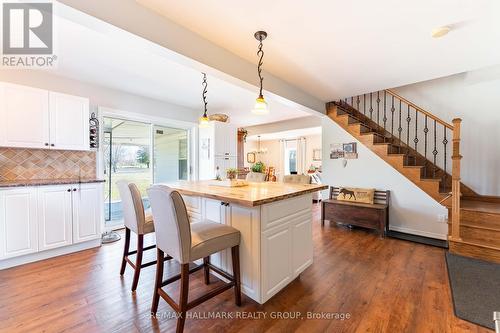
(136, 220)
(187, 242)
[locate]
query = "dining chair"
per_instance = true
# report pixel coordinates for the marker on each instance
(256, 177)
(136, 220)
(187, 242)
(297, 179)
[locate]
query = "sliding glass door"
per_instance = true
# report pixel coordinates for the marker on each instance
(141, 153)
(171, 154)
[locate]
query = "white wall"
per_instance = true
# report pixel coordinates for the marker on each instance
(99, 96)
(411, 209)
(474, 97)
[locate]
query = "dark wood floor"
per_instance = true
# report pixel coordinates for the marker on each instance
(385, 285)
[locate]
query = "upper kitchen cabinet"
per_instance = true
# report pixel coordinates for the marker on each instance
(69, 122)
(37, 118)
(218, 145)
(25, 116)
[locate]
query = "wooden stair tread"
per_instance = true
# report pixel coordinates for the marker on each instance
(480, 206)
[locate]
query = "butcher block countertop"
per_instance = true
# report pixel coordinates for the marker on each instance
(255, 194)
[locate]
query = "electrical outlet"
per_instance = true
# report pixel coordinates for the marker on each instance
(442, 218)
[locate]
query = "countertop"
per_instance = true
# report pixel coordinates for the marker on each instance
(41, 182)
(255, 194)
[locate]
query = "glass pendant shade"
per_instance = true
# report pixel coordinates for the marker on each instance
(204, 121)
(261, 106)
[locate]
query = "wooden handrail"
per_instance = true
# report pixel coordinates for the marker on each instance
(428, 114)
(455, 181)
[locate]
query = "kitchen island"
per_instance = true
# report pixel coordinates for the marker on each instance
(275, 224)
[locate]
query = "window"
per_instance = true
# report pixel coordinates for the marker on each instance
(290, 157)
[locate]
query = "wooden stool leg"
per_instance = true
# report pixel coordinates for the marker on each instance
(235, 256)
(138, 261)
(159, 279)
(206, 269)
(125, 250)
(183, 297)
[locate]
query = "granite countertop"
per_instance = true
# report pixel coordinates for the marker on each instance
(255, 194)
(40, 182)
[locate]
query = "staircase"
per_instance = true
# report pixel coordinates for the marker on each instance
(426, 150)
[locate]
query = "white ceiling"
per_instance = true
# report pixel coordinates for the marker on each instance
(93, 51)
(334, 48)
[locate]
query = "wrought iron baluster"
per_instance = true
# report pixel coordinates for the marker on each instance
(408, 120)
(385, 113)
(392, 119)
(357, 102)
(400, 129)
(434, 152)
(371, 106)
(416, 135)
(426, 130)
(378, 107)
(364, 104)
(445, 142)
(352, 101)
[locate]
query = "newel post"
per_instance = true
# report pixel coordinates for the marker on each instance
(455, 181)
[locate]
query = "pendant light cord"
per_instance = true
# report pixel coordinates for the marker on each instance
(260, 53)
(205, 85)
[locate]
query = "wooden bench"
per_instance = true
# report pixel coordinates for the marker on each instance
(372, 216)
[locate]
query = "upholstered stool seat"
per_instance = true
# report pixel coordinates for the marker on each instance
(210, 237)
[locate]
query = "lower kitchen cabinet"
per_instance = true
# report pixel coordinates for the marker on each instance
(54, 217)
(42, 218)
(18, 222)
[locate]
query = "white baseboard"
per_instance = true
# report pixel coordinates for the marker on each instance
(16, 261)
(418, 232)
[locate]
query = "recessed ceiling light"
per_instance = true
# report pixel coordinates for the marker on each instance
(440, 32)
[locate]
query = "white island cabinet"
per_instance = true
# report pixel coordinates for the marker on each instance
(275, 222)
(39, 222)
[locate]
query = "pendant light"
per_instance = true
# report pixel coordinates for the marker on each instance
(204, 121)
(261, 106)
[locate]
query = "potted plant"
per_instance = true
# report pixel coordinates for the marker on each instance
(231, 173)
(258, 167)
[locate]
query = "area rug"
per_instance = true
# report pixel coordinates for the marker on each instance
(475, 286)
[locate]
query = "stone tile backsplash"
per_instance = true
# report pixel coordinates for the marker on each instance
(28, 164)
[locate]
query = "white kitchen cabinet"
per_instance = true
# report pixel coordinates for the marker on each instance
(24, 114)
(18, 222)
(37, 118)
(69, 122)
(43, 221)
(246, 220)
(87, 212)
(276, 259)
(55, 227)
(225, 139)
(218, 147)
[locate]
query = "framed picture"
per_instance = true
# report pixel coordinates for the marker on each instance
(336, 151)
(251, 157)
(316, 154)
(350, 147)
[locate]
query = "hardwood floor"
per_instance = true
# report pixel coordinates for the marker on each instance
(385, 285)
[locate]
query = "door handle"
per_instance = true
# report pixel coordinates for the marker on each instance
(74, 190)
(52, 145)
(69, 190)
(46, 143)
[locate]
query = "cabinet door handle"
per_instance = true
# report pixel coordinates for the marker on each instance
(69, 190)
(46, 143)
(52, 145)
(74, 190)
